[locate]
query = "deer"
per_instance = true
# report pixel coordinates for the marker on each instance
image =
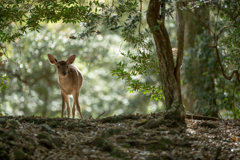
(70, 81)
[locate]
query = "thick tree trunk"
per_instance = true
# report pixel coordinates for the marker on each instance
(169, 74)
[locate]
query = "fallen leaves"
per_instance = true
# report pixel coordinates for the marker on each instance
(129, 137)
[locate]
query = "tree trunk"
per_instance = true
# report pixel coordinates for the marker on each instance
(169, 74)
(199, 18)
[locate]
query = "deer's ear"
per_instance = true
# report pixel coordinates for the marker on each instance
(52, 60)
(71, 59)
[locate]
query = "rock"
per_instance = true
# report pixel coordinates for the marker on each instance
(107, 146)
(164, 140)
(141, 129)
(19, 154)
(125, 145)
(46, 128)
(29, 150)
(46, 143)
(182, 143)
(75, 157)
(121, 137)
(57, 141)
(86, 151)
(135, 143)
(13, 124)
(133, 135)
(154, 123)
(140, 124)
(119, 118)
(173, 132)
(53, 124)
(4, 135)
(98, 141)
(110, 131)
(2, 147)
(4, 155)
(160, 143)
(138, 158)
(162, 128)
(13, 135)
(154, 146)
(154, 158)
(218, 152)
(209, 125)
(170, 123)
(76, 126)
(3, 121)
(43, 136)
(82, 125)
(116, 152)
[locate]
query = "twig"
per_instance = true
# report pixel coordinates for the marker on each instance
(140, 21)
(4, 53)
(90, 117)
(100, 115)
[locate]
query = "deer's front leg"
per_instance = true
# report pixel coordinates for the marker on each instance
(65, 99)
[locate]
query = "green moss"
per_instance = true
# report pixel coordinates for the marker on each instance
(4, 155)
(110, 131)
(19, 154)
(116, 152)
(125, 145)
(116, 119)
(98, 141)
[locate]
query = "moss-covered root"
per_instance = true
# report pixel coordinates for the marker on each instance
(176, 112)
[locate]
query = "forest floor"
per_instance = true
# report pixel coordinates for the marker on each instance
(136, 137)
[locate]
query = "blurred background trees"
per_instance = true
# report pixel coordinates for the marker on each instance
(33, 88)
(205, 89)
(32, 81)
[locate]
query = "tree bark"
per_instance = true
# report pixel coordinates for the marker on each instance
(169, 74)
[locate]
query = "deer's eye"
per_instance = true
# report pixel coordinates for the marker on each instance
(58, 66)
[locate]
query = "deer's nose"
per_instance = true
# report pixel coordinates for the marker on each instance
(64, 73)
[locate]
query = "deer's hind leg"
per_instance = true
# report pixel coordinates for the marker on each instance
(77, 104)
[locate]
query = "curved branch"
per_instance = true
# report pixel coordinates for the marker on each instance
(26, 80)
(235, 71)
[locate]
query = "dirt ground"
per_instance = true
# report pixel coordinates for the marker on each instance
(136, 137)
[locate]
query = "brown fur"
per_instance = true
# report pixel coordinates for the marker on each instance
(70, 82)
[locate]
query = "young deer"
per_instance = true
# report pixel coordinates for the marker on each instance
(70, 81)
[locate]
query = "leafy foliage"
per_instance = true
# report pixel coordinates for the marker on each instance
(3, 83)
(17, 17)
(34, 88)
(205, 83)
(200, 71)
(123, 15)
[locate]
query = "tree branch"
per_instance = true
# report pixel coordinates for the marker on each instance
(26, 80)
(235, 71)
